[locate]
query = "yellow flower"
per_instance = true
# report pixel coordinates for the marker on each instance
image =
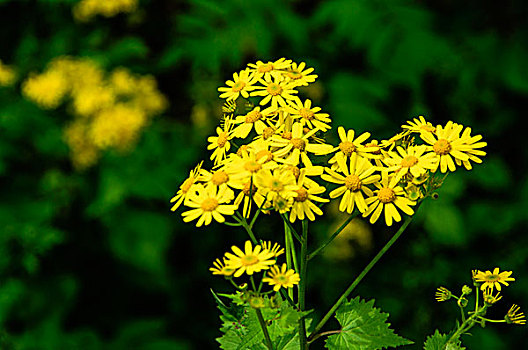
(208, 203)
(349, 145)
(46, 89)
(281, 277)
(443, 294)
(298, 75)
(256, 118)
(469, 146)
(248, 193)
(276, 183)
(411, 160)
(514, 316)
(220, 143)
(250, 260)
(91, 99)
(241, 84)
(245, 164)
(269, 69)
(354, 182)
(275, 249)
(186, 186)
(489, 298)
(219, 268)
(7, 75)
(85, 10)
(449, 146)
(387, 198)
(419, 125)
(293, 146)
(275, 90)
(303, 204)
(308, 115)
(493, 279)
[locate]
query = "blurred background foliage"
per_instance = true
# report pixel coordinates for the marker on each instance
(94, 259)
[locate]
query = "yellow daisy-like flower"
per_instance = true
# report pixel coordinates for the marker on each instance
(308, 116)
(276, 183)
(209, 203)
(419, 125)
(349, 145)
(303, 204)
(46, 89)
(387, 198)
(7, 75)
(411, 160)
(250, 260)
(514, 316)
(493, 280)
(281, 277)
(269, 69)
(241, 84)
(354, 182)
(275, 90)
(220, 143)
(256, 118)
(275, 248)
(298, 75)
(185, 188)
(246, 164)
(293, 146)
(443, 294)
(489, 298)
(469, 145)
(219, 268)
(449, 146)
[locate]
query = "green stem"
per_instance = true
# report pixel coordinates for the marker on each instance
(285, 219)
(302, 285)
(331, 238)
(243, 222)
(287, 243)
(269, 344)
(360, 277)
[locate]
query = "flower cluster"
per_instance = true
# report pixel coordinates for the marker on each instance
(85, 10)
(252, 260)
(7, 75)
(269, 151)
(110, 110)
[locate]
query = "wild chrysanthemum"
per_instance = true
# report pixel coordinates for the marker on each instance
(274, 90)
(349, 145)
(254, 119)
(246, 164)
(493, 280)
(269, 69)
(276, 183)
(294, 146)
(250, 260)
(219, 268)
(469, 146)
(282, 277)
(220, 143)
(298, 75)
(208, 203)
(387, 198)
(307, 115)
(241, 84)
(413, 160)
(307, 193)
(514, 316)
(419, 125)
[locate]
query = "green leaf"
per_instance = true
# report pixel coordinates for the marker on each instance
(363, 327)
(436, 341)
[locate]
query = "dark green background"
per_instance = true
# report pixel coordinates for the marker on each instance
(95, 259)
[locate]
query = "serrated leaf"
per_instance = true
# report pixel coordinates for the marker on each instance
(363, 327)
(436, 341)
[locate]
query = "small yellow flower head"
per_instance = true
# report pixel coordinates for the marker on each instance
(7, 75)
(489, 298)
(443, 294)
(250, 260)
(493, 279)
(257, 302)
(514, 316)
(85, 10)
(46, 89)
(466, 290)
(219, 268)
(275, 249)
(282, 277)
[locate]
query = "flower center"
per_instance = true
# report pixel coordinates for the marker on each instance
(298, 143)
(274, 89)
(264, 153)
(353, 182)
(306, 113)
(186, 185)
(281, 279)
(276, 185)
(386, 195)
(268, 132)
(209, 204)
(302, 195)
(295, 170)
(238, 86)
(492, 278)
(249, 189)
(222, 139)
(253, 116)
(442, 147)
(219, 177)
(252, 166)
(287, 135)
(267, 67)
(347, 148)
(409, 161)
(294, 74)
(247, 260)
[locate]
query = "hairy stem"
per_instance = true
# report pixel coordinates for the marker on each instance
(269, 344)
